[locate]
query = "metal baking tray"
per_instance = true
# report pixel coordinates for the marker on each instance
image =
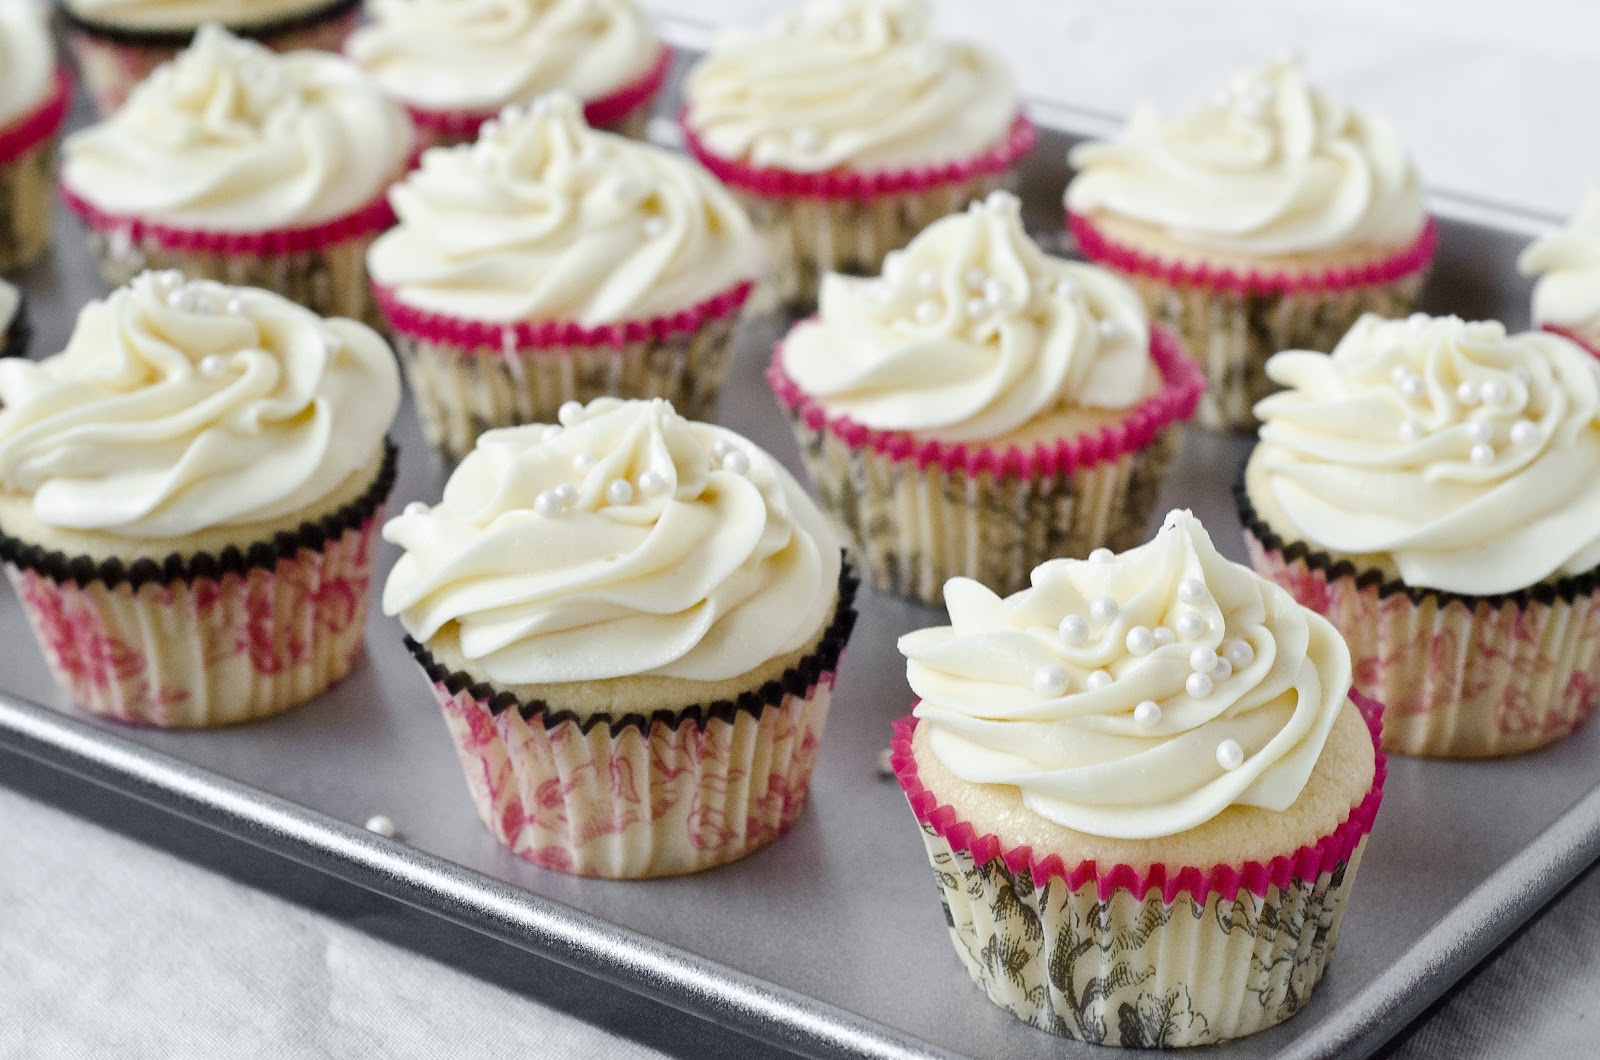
(832, 942)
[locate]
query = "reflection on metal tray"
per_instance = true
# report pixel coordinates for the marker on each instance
(831, 943)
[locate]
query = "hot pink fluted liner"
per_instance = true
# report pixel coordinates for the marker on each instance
(1306, 864)
(606, 110)
(1182, 384)
(1571, 336)
(427, 326)
(30, 130)
(854, 184)
(1103, 250)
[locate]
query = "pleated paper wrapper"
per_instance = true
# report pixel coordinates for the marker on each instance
(637, 797)
(847, 220)
(27, 175)
(916, 512)
(1232, 323)
(1171, 957)
(1588, 341)
(200, 641)
(473, 376)
(1460, 676)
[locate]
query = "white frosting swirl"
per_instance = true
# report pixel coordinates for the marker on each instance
(478, 55)
(547, 219)
(175, 408)
(1272, 167)
(857, 83)
(178, 15)
(1099, 694)
(232, 137)
(1568, 266)
(630, 541)
(27, 57)
(1469, 457)
(972, 332)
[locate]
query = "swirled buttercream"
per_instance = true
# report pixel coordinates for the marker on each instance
(862, 84)
(972, 332)
(232, 137)
(177, 15)
(472, 55)
(546, 219)
(179, 407)
(1468, 457)
(1136, 695)
(1271, 167)
(27, 57)
(628, 541)
(1568, 266)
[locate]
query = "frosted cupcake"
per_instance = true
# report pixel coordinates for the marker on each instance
(1269, 219)
(455, 65)
(118, 43)
(632, 623)
(189, 496)
(1566, 299)
(550, 263)
(35, 93)
(1145, 787)
(846, 127)
(982, 407)
(1434, 489)
(239, 165)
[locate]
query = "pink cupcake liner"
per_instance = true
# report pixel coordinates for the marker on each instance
(853, 184)
(29, 130)
(1572, 336)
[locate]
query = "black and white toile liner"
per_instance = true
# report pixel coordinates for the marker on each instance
(181, 37)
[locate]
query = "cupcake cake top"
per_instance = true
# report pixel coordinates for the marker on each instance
(1269, 167)
(27, 57)
(971, 333)
(625, 541)
(546, 219)
(862, 84)
(464, 55)
(178, 407)
(232, 137)
(177, 15)
(1567, 264)
(1466, 457)
(1132, 696)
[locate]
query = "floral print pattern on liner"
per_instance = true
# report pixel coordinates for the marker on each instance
(27, 176)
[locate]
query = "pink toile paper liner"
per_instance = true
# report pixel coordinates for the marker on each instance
(199, 639)
(919, 511)
(27, 165)
(1167, 957)
(470, 376)
(633, 797)
(1590, 344)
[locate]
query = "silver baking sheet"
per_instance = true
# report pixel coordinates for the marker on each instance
(832, 942)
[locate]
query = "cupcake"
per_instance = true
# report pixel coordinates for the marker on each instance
(982, 407)
(35, 93)
(454, 65)
(16, 330)
(632, 623)
(1270, 219)
(189, 496)
(118, 43)
(238, 165)
(1434, 489)
(550, 263)
(847, 127)
(1566, 299)
(1145, 787)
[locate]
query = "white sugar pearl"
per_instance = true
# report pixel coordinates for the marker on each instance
(1230, 755)
(620, 491)
(1191, 624)
(570, 412)
(653, 227)
(1198, 685)
(1050, 680)
(1104, 609)
(182, 300)
(1524, 433)
(234, 305)
(583, 462)
(547, 504)
(1066, 287)
(927, 280)
(1412, 386)
(1109, 330)
(976, 307)
(995, 292)
(1140, 640)
(510, 113)
(805, 139)
(551, 433)
(625, 190)
(381, 825)
(976, 278)
(1479, 430)
(416, 508)
(721, 448)
(1481, 454)
(651, 482)
(1147, 715)
(1202, 660)
(1466, 393)
(1410, 431)
(591, 151)
(1239, 653)
(1102, 555)
(1099, 679)
(213, 365)
(1223, 671)
(567, 494)
(736, 462)
(1164, 636)
(1492, 391)
(169, 280)
(927, 312)
(1191, 590)
(1074, 629)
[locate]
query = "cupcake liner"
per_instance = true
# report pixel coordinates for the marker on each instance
(1232, 322)
(846, 220)
(917, 512)
(27, 175)
(625, 111)
(115, 59)
(203, 640)
(1462, 676)
(1169, 957)
(322, 266)
(472, 376)
(1590, 344)
(18, 335)
(636, 797)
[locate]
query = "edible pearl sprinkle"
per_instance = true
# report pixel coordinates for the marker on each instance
(806, 139)
(1074, 630)
(976, 278)
(181, 300)
(1479, 430)
(927, 280)
(1198, 685)
(1191, 624)
(234, 305)
(583, 462)
(1104, 609)
(620, 491)
(169, 280)
(213, 364)
(995, 292)
(547, 504)
(1239, 653)
(378, 824)
(416, 508)
(1164, 636)
(976, 307)
(1481, 454)
(570, 412)
(927, 312)
(736, 462)
(510, 112)
(625, 190)
(567, 494)
(1230, 755)
(1412, 386)
(1223, 671)
(1050, 680)
(1101, 555)
(1202, 660)
(1147, 715)
(721, 448)
(1524, 433)
(1140, 640)
(1466, 393)
(651, 481)
(551, 433)
(1410, 431)
(1191, 590)
(1098, 680)
(1110, 330)
(1066, 287)
(654, 226)
(1492, 391)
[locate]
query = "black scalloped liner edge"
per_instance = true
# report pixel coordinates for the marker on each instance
(19, 333)
(796, 681)
(175, 38)
(1566, 589)
(203, 566)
